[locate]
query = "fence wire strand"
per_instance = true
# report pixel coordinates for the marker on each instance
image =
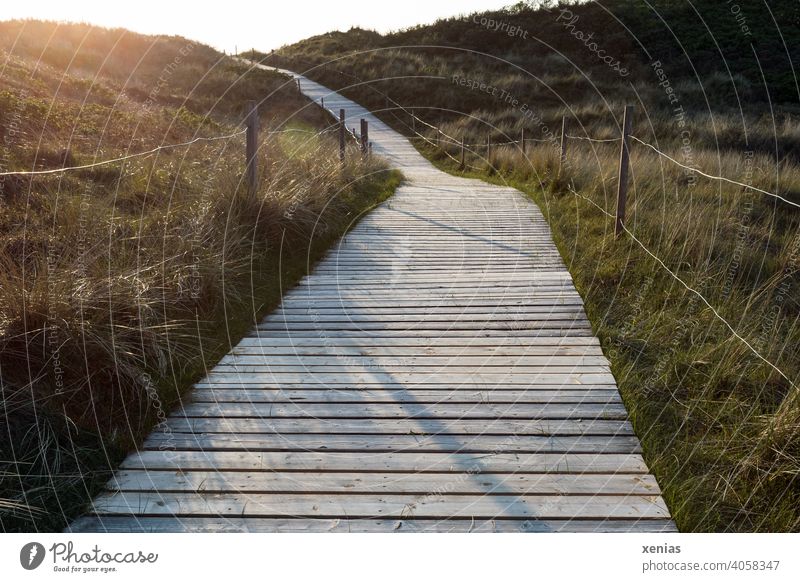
(711, 307)
(711, 176)
(125, 158)
(592, 139)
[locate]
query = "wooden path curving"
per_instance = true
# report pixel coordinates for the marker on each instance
(436, 372)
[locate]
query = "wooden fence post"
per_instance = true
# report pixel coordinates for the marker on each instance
(463, 163)
(251, 147)
(298, 85)
(522, 140)
(562, 161)
(624, 160)
(322, 102)
(364, 136)
(438, 137)
(342, 130)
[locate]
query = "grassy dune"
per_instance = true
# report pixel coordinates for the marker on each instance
(717, 409)
(121, 283)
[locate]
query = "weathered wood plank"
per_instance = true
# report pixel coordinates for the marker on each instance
(382, 483)
(395, 387)
(339, 310)
(540, 318)
(391, 443)
(433, 334)
(448, 341)
(418, 326)
(398, 506)
(288, 426)
(486, 352)
(407, 378)
(347, 368)
(388, 462)
(452, 361)
(402, 410)
(235, 393)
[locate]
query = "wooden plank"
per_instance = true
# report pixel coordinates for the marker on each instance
(387, 462)
(447, 278)
(548, 270)
(366, 309)
(422, 288)
(346, 329)
(543, 260)
(287, 426)
(366, 350)
(334, 335)
(451, 364)
(388, 291)
(404, 410)
(554, 277)
(116, 524)
(398, 506)
(257, 339)
(381, 483)
(235, 393)
(415, 318)
(396, 387)
(409, 378)
(391, 443)
(345, 367)
(413, 361)
(341, 302)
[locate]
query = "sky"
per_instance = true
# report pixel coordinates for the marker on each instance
(231, 24)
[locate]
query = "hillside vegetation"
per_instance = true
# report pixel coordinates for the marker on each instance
(119, 283)
(697, 304)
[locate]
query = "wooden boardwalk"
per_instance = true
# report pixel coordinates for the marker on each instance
(436, 372)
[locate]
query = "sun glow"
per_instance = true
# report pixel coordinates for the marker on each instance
(240, 25)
